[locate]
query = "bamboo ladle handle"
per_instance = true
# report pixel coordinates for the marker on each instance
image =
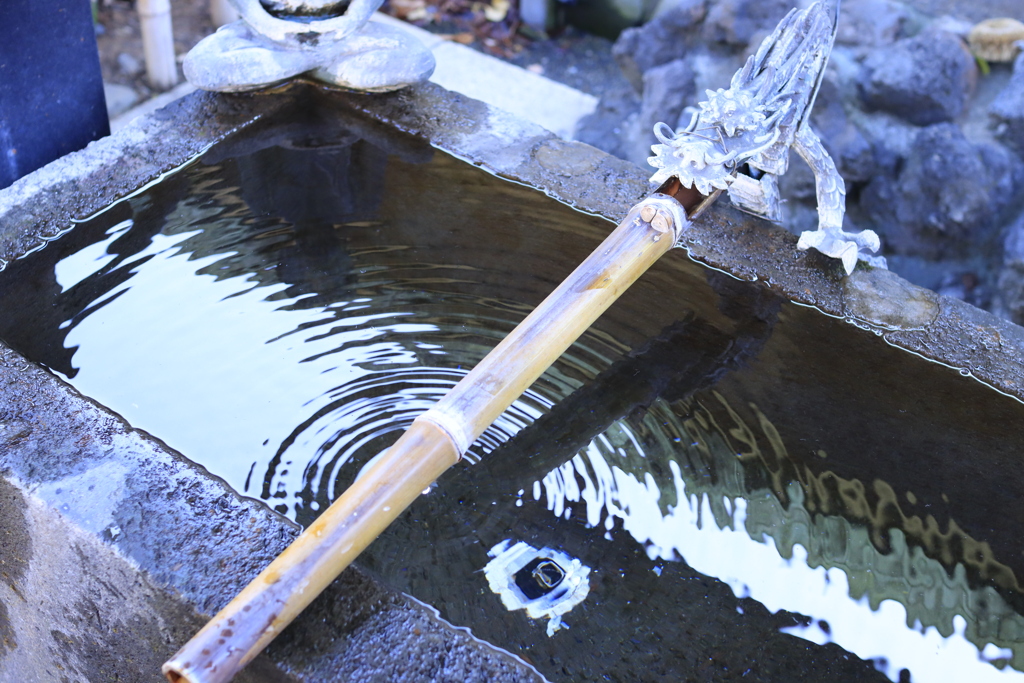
(435, 441)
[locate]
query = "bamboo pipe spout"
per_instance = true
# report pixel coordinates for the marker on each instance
(435, 441)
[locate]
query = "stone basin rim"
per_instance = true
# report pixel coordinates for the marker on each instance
(953, 333)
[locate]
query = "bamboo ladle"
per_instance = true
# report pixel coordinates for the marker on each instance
(435, 441)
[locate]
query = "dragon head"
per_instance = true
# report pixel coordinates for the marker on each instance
(691, 159)
(731, 111)
(728, 128)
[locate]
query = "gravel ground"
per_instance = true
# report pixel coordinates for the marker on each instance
(120, 45)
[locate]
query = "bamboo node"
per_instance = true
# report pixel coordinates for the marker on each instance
(647, 213)
(452, 427)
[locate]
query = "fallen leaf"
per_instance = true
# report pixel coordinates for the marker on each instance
(496, 11)
(403, 9)
(463, 38)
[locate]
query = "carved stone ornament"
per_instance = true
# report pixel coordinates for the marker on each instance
(347, 50)
(739, 139)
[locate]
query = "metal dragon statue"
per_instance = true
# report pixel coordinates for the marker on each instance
(739, 139)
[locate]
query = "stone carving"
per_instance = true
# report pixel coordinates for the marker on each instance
(739, 138)
(346, 50)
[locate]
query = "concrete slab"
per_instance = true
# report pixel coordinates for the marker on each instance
(527, 95)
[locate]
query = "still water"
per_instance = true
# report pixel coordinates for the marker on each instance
(711, 484)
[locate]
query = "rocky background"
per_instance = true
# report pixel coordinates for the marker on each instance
(929, 138)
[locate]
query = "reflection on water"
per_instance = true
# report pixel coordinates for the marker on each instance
(785, 556)
(730, 471)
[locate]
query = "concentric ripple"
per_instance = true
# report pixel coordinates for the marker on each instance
(306, 378)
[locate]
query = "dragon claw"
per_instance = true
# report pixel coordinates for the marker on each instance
(846, 246)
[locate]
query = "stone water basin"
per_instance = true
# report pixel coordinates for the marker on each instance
(756, 489)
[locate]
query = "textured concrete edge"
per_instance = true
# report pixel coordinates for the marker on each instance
(103, 501)
(45, 202)
(959, 335)
(73, 609)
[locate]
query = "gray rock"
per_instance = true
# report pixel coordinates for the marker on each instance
(739, 22)
(128, 65)
(611, 126)
(972, 11)
(1007, 109)
(872, 22)
(852, 152)
(120, 98)
(668, 89)
(667, 37)
(925, 79)
(967, 286)
(1011, 278)
(947, 199)
(883, 298)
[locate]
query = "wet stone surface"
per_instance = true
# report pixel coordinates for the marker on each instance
(568, 158)
(882, 298)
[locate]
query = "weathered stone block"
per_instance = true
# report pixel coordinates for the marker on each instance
(925, 79)
(1008, 109)
(949, 193)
